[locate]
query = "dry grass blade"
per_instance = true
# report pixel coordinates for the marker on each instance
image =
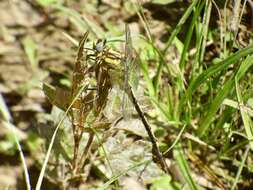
(78, 113)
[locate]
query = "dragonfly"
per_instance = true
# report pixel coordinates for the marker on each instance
(108, 68)
(117, 67)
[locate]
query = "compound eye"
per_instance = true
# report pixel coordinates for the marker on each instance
(100, 45)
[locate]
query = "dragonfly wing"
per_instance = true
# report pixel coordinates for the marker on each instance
(128, 62)
(131, 61)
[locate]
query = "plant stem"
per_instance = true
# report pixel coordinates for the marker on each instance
(155, 149)
(86, 151)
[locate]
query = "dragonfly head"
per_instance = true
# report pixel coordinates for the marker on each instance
(100, 45)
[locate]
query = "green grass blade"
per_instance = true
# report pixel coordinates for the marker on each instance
(31, 48)
(210, 115)
(22, 157)
(43, 169)
(4, 112)
(103, 148)
(177, 29)
(116, 177)
(245, 116)
(245, 155)
(148, 80)
(201, 38)
(162, 109)
(234, 104)
(223, 92)
(80, 21)
(195, 83)
(205, 29)
(47, 2)
(179, 25)
(189, 36)
(185, 170)
(245, 66)
(176, 140)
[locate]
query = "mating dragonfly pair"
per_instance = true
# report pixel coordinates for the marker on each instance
(108, 67)
(112, 67)
(94, 74)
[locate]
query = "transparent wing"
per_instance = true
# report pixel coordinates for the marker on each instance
(131, 62)
(128, 62)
